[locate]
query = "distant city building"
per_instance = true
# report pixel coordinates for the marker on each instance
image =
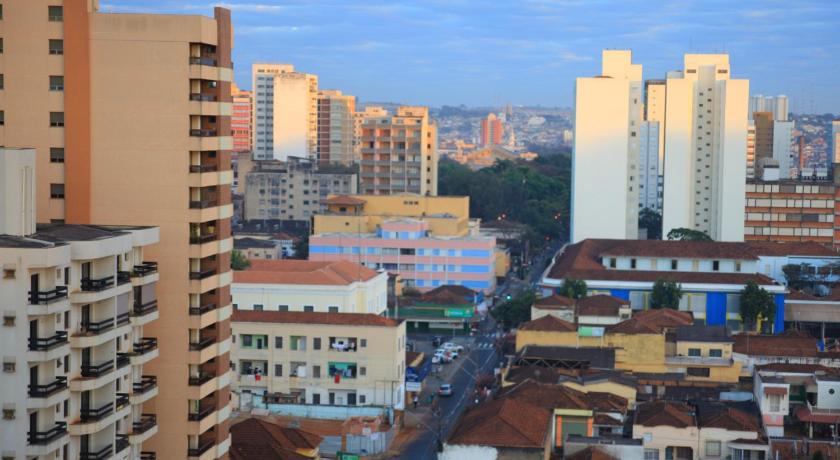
(705, 148)
(763, 122)
(336, 127)
(285, 112)
(258, 248)
(370, 111)
(834, 152)
(751, 150)
(293, 190)
(241, 119)
(605, 155)
(776, 105)
(491, 130)
(486, 157)
(649, 174)
(428, 241)
(399, 153)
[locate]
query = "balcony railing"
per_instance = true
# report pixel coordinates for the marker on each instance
(141, 309)
(202, 344)
(202, 309)
(47, 297)
(45, 391)
(203, 61)
(146, 383)
(145, 345)
(98, 327)
(201, 414)
(121, 400)
(200, 379)
(91, 415)
(123, 359)
(122, 442)
(148, 455)
(100, 284)
(146, 268)
(201, 239)
(101, 454)
(202, 97)
(203, 204)
(97, 370)
(146, 423)
(202, 132)
(123, 277)
(48, 343)
(123, 318)
(201, 274)
(203, 168)
(39, 438)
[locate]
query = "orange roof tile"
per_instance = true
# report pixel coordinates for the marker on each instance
(665, 413)
(503, 423)
(548, 323)
(304, 317)
(774, 345)
(290, 271)
(255, 438)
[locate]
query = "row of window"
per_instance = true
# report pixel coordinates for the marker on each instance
(55, 13)
(613, 262)
(306, 308)
(475, 253)
(298, 342)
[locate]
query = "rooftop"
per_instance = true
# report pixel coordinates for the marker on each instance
(601, 305)
(505, 422)
(653, 321)
(703, 333)
(23, 242)
(775, 345)
(665, 413)
(726, 416)
(343, 200)
(303, 317)
(288, 271)
(555, 301)
(591, 453)
(248, 242)
(603, 358)
(548, 323)
(66, 232)
(255, 438)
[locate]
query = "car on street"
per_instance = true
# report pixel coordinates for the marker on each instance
(445, 389)
(436, 359)
(449, 346)
(452, 354)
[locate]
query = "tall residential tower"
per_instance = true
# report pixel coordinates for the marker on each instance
(285, 112)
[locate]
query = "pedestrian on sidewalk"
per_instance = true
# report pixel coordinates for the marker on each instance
(415, 401)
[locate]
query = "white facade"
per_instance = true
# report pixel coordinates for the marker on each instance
(834, 143)
(605, 153)
(649, 165)
(778, 105)
(705, 148)
(782, 147)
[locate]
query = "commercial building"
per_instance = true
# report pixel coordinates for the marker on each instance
(129, 115)
(336, 129)
(605, 153)
(399, 153)
(491, 131)
(705, 148)
(306, 286)
(293, 189)
(241, 120)
(428, 241)
(77, 300)
(352, 359)
(447, 308)
(285, 112)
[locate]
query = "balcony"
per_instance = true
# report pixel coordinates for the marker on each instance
(148, 455)
(201, 274)
(203, 97)
(101, 454)
(122, 443)
(202, 344)
(203, 168)
(197, 311)
(40, 438)
(46, 344)
(146, 383)
(208, 61)
(142, 309)
(202, 448)
(98, 370)
(97, 327)
(123, 318)
(201, 379)
(123, 277)
(203, 132)
(92, 415)
(203, 204)
(123, 359)
(121, 400)
(201, 239)
(47, 297)
(146, 423)
(145, 345)
(45, 391)
(201, 414)
(96, 285)
(145, 268)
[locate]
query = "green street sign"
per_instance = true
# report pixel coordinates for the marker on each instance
(346, 456)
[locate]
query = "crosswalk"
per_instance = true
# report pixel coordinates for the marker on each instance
(483, 346)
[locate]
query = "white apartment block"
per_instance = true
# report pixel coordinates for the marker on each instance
(649, 172)
(783, 148)
(285, 112)
(605, 155)
(778, 105)
(706, 124)
(76, 300)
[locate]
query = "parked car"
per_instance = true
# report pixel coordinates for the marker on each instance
(445, 390)
(452, 354)
(448, 346)
(436, 359)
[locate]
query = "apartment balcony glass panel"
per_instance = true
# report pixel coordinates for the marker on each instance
(98, 327)
(146, 383)
(89, 414)
(201, 414)
(48, 343)
(145, 268)
(45, 391)
(97, 370)
(40, 438)
(48, 297)
(98, 284)
(146, 423)
(195, 311)
(100, 454)
(145, 345)
(141, 309)
(123, 359)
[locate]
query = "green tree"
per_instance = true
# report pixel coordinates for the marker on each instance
(665, 294)
(573, 289)
(651, 220)
(687, 234)
(756, 303)
(301, 248)
(238, 261)
(818, 455)
(515, 311)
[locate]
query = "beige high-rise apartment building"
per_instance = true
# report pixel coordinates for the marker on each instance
(358, 120)
(399, 153)
(129, 115)
(336, 127)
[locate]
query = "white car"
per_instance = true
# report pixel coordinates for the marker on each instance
(436, 359)
(449, 346)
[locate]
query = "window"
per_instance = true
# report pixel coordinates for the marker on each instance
(2, 81)
(278, 370)
(8, 413)
(362, 371)
(693, 352)
(673, 264)
(363, 343)
(1, 11)
(2, 117)
(316, 372)
(247, 340)
(698, 371)
(308, 308)
(612, 262)
(716, 353)
(774, 402)
(632, 263)
(9, 320)
(56, 46)
(55, 13)
(333, 309)
(715, 265)
(56, 155)
(737, 266)
(56, 83)
(57, 191)
(9, 366)
(1, 45)
(651, 454)
(713, 448)
(282, 308)
(258, 307)
(362, 399)
(316, 343)
(56, 119)
(278, 342)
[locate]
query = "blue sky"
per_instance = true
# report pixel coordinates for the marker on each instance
(491, 52)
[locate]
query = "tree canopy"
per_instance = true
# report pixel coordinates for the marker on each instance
(756, 303)
(238, 261)
(515, 311)
(666, 294)
(573, 289)
(651, 220)
(687, 234)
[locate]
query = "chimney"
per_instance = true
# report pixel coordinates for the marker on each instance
(17, 189)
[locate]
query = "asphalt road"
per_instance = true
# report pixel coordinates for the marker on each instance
(481, 359)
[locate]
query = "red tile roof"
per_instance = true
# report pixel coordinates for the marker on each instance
(774, 345)
(343, 200)
(604, 419)
(653, 321)
(290, 271)
(555, 301)
(255, 438)
(665, 413)
(728, 418)
(548, 323)
(601, 305)
(798, 248)
(591, 453)
(303, 317)
(552, 396)
(505, 422)
(797, 368)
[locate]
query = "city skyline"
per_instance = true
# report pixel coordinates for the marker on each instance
(453, 53)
